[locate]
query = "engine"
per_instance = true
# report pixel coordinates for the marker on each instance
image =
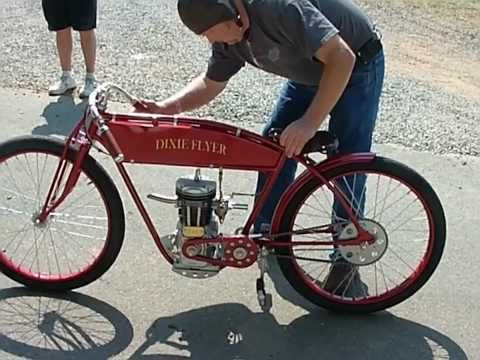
(195, 202)
(195, 198)
(198, 212)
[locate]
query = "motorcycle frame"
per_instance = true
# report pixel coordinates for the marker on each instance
(138, 138)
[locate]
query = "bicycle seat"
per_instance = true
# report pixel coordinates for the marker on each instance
(323, 142)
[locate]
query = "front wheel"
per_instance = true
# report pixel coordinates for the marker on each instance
(393, 203)
(79, 241)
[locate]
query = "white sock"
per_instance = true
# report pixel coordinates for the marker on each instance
(67, 73)
(90, 76)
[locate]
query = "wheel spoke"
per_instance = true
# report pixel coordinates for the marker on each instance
(69, 242)
(392, 204)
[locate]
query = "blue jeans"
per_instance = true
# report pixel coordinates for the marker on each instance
(352, 120)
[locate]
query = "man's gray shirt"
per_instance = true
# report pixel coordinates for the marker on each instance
(285, 34)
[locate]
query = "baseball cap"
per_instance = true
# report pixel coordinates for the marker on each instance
(201, 15)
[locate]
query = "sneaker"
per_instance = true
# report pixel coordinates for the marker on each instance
(88, 87)
(344, 280)
(62, 86)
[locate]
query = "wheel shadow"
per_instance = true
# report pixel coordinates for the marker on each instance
(232, 331)
(60, 326)
(61, 116)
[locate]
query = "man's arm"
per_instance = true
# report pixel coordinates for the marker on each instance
(338, 60)
(200, 91)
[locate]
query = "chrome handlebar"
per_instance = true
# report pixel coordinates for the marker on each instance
(98, 99)
(101, 95)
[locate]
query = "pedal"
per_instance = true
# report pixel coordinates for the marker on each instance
(264, 299)
(237, 206)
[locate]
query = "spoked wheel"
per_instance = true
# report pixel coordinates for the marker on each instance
(394, 204)
(78, 242)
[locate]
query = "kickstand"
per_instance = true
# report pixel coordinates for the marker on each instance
(264, 299)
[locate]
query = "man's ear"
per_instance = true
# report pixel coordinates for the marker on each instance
(244, 22)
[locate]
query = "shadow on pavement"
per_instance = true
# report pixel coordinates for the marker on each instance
(232, 331)
(52, 326)
(61, 115)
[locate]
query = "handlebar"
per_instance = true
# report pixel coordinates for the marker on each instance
(102, 94)
(99, 99)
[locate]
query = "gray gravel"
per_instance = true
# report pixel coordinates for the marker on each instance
(144, 48)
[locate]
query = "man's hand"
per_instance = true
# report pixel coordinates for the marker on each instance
(297, 134)
(163, 107)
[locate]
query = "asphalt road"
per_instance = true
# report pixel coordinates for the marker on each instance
(140, 309)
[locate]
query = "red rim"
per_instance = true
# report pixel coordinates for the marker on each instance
(390, 293)
(59, 278)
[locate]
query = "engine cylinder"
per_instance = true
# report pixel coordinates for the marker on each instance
(195, 199)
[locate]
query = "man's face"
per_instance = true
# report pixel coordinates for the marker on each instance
(226, 32)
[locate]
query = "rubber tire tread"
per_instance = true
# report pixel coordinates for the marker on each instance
(109, 193)
(387, 167)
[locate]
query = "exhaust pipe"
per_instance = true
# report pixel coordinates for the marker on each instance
(163, 199)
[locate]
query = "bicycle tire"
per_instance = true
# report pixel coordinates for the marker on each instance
(44, 148)
(436, 242)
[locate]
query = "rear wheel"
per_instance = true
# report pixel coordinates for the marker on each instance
(79, 241)
(393, 203)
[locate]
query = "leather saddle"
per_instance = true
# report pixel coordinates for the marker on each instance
(323, 142)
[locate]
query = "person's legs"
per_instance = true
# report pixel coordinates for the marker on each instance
(58, 21)
(293, 101)
(64, 48)
(84, 18)
(89, 47)
(353, 121)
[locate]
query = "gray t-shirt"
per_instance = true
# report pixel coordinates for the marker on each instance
(285, 34)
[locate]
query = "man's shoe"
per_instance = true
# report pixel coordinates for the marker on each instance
(62, 86)
(88, 87)
(344, 280)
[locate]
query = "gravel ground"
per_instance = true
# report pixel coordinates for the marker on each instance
(144, 48)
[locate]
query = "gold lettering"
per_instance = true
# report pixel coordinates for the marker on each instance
(160, 144)
(195, 145)
(208, 146)
(223, 150)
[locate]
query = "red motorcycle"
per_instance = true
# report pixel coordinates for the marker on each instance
(63, 220)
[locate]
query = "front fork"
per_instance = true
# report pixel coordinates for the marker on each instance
(63, 181)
